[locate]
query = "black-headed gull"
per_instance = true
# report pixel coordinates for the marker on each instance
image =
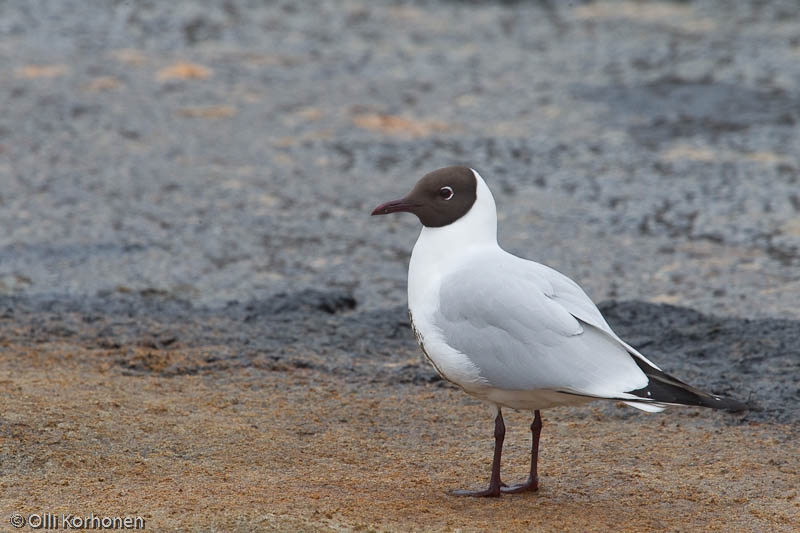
(510, 331)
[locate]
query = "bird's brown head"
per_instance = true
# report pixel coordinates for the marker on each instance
(440, 198)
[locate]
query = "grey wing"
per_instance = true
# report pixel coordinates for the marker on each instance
(521, 338)
(573, 298)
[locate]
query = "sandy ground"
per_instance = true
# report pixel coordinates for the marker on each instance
(301, 450)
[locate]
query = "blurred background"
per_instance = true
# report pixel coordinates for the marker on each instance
(228, 150)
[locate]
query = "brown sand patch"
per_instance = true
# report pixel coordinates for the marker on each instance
(104, 83)
(184, 70)
(211, 111)
(41, 71)
(398, 125)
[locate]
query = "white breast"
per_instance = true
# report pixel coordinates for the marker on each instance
(437, 252)
(423, 300)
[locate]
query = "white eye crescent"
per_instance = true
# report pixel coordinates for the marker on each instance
(446, 192)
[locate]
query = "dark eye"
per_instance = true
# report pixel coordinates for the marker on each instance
(446, 192)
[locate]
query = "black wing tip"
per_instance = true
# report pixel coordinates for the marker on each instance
(728, 404)
(667, 393)
(663, 388)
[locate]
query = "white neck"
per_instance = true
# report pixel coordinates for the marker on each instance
(438, 249)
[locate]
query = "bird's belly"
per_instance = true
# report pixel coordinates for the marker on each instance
(449, 363)
(457, 368)
(530, 400)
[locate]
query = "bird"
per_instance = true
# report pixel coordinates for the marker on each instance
(513, 332)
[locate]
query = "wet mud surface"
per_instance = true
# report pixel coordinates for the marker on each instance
(756, 361)
(221, 151)
(197, 312)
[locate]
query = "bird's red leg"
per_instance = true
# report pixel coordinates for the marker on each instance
(532, 484)
(495, 484)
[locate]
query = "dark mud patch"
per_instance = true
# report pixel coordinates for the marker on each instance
(757, 361)
(678, 107)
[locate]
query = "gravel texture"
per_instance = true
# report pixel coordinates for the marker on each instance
(231, 150)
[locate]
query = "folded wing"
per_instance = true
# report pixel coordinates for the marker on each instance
(527, 327)
(522, 336)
